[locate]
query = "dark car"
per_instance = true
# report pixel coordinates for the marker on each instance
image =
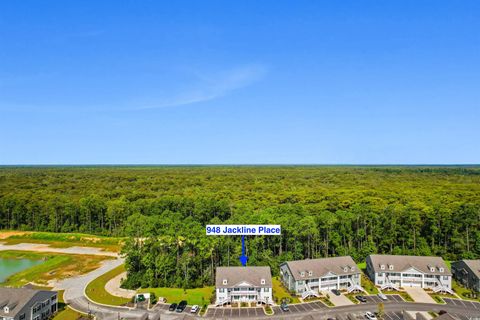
(284, 307)
(336, 292)
(172, 307)
(361, 298)
(181, 306)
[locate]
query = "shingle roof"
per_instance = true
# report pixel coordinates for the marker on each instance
(16, 299)
(321, 267)
(236, 275)
(474, 265)
(401, 263)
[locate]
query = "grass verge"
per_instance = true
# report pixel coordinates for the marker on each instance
(56, 266)
(463, 292)
(198, 296)
(96, 289)
(280, 292)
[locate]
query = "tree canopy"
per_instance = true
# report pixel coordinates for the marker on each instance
(324, 211)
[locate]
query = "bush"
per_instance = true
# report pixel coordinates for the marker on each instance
(153, 298)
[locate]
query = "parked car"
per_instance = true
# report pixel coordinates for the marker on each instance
(336, 292)
(382, 296)
(370, 316)
(172, 307)
(284, 307)
(181, 306)
(195, 309)
(361, 298)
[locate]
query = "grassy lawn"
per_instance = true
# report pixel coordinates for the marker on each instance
(65, 240)
(96, 289)
(56, 266)
(67, 314)
(462, 291)
(280, 292)
(198, 296)
(368, 285)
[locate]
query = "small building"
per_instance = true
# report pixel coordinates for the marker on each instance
(243, 284)
(311, 276)
(396, 271)
(27, 304)
(467, 273)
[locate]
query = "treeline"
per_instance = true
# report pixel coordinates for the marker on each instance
(324, 211)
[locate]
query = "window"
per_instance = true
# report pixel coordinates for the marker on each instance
(441, 269)
(310, 273)
(54, 298)
(221, 290)
(302, 274)
(345, 269)
(262, 281)
(382, 267)
(432, 269)
(225, 281)
(352, 268)
(266, 289)
(390, 267)
(445, 277)
(22, 316)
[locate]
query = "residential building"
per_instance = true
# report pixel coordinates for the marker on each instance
(311, 276)
(243, 284)
(27, 304)
(467, 273)
(396, 271)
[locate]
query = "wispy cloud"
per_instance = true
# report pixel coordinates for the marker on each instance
(213, 86)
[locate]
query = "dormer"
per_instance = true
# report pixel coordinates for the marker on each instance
(6, 309)
(352, 268)
(302, 274)
(262, 281)
(382, 267)
(441, 269)
(432, 268)
(390, 267)
(310, 273)
(345, 269)
(225, 282)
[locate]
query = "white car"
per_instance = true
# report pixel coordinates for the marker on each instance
(382, 296)
(370, 316)
(195, 309)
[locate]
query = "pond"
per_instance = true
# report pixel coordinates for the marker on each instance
(12, 266)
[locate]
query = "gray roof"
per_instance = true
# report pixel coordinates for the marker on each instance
(17, 299)
(401, 263)
(237, 275)
(321, 267)
(474, 266)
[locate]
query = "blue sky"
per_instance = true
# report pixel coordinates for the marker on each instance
(244, 82)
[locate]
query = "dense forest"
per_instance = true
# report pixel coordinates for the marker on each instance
(324, 211)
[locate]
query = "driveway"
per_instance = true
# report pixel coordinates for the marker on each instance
(340, 300)
(419, 295)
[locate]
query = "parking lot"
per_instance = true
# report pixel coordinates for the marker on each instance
(163, 306)
(390, 298)
(463, 303)
(228, 312)
(301, 307)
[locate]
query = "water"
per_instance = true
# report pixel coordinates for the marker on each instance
(12, 266)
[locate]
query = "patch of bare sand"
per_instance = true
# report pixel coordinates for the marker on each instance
(8, 234)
